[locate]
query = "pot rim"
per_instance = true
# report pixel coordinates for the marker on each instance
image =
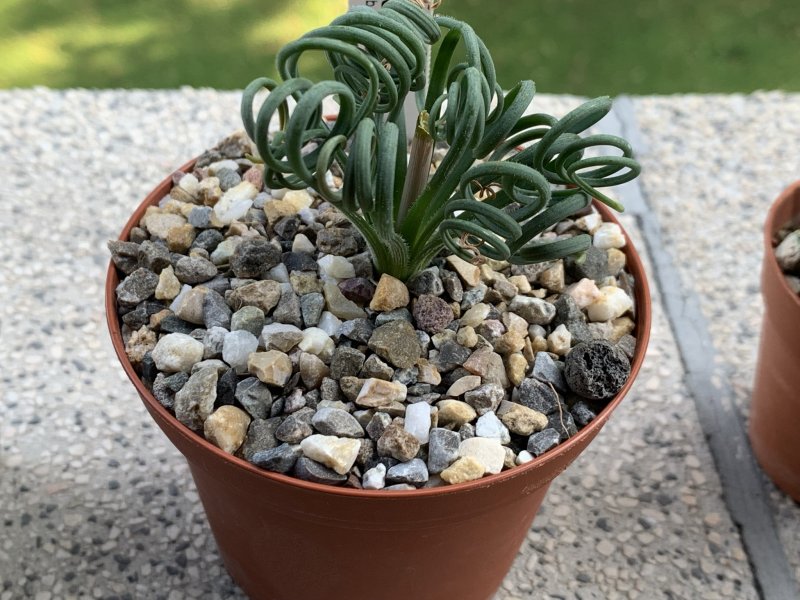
(771, 227)
(643, 322)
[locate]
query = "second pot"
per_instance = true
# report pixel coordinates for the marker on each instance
(775, 410)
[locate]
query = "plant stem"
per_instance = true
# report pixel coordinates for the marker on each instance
(419, 165)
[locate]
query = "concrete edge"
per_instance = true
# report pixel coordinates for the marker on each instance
(742, 480)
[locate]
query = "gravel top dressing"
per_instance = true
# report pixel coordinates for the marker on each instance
(257, 318)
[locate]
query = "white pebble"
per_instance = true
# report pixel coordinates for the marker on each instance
(612, 303)
(418, 421)
(177, 352)
(237, 347)
(176, 303)
(375, 478)
(279, 273)
(489, 452)
(299, 199)
(560, 341)
(308, 216)
(278, 194)
(609, 235)
(524, 457)
(584, 292)
(489, 426)
(215, 167)
(235, 203)
(302, 244)
(589, 223)
(337, 453)
(190, 184)
(316, 341)
(282, 336)
(336, 267)
(329, 323)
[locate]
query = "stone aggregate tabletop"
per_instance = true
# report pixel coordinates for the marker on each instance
(256, 317)
(96, 503)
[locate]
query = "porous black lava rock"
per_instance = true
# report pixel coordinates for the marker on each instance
(596, 370)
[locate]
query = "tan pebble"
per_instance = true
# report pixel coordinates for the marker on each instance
(428, 373)
(140, 343)
(467, 337)
(514, 322)
(520, 419)
(464, 469)
(616, 261)
(272, 367)
(226, 428)
(475, 315)
(621, 327)
(509, 343)
(179, 239)
(168, 285)
(275, 210)
(455, 412)
(488, 275)
(377, 393)
(391, 293)
(516, 368)
(469, 273)
(522, 283)
(539, 344)
(560, 341)
(463, 385)
(190, 308)
(553, 278)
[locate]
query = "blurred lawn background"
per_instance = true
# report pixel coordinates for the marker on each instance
(584, 47)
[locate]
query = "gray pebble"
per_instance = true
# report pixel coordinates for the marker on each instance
(281, 459)
(346, 362)
(541, 442)
(296, 427)
(442, 449)
(137, 287)
(154, 257)
(165, 388)
(538, 396)
(546, 370)
(216, 312)
(310, 470)
(248, 318)
(260, 436)
(193, 270)
(334, 421)
(311, 306)
(253, 258)
(426, 282)
(255, 397)
(413, 472)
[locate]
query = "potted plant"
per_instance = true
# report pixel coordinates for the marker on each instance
(775, 410)
(376, 362)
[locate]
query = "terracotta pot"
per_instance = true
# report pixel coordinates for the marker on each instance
(775, 410)
(285, 539)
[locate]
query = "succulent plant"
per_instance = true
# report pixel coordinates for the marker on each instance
(505, 178)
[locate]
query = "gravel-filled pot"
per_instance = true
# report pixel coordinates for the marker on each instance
(283, 538)
(775, 409)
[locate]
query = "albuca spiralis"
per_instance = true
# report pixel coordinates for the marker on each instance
(505, 178)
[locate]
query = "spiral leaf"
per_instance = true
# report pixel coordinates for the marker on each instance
(504, 179)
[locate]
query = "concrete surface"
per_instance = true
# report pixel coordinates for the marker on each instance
(95, 502)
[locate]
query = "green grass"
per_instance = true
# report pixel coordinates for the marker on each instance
(585, 47)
